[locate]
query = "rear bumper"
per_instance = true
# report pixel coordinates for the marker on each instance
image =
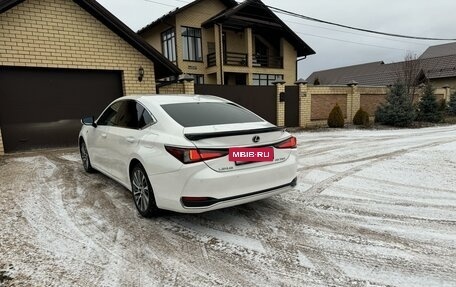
(217, 190)
(210, 201)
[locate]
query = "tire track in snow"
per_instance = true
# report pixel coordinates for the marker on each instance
(318, 188)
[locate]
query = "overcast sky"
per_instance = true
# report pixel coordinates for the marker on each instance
(411, 17)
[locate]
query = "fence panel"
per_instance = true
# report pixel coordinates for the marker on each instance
(322, 104)
(292, 106)
(260, 100)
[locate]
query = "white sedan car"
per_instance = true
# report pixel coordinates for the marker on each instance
(188, 154)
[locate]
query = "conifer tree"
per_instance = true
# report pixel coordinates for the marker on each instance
(452, 105)
(428, 108)
(398, 110)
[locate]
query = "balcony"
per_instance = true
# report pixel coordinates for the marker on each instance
(267, 61)
(230, 59)
(235, 59)
(241, 59)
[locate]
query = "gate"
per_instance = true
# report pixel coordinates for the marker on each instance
(260, 100)
(292, 106)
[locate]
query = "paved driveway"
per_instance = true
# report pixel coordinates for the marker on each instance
(372, 208)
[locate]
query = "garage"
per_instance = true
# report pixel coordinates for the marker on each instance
(42, 108)
(64, 59)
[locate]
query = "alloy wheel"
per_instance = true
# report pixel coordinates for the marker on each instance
(141, 190)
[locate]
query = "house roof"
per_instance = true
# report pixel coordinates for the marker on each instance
(344, 74)
(254, 13)
(163, 67)
(439, 50)
(380, 74)
(227, 3)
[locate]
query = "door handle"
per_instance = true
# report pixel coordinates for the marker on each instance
(104, 135)
(130, 139)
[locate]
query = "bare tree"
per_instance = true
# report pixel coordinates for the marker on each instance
(409, 72)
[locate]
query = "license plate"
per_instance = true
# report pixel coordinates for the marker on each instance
(249, 155)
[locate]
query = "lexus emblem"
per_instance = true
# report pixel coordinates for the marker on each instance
(256, 139)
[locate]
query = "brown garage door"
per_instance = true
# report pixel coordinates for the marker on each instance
(42, 107)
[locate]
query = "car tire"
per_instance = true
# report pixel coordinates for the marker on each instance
(85, 157)
(143, 195)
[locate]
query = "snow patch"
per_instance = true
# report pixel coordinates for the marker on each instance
(245, 242)
(304, 261)
(74, 157)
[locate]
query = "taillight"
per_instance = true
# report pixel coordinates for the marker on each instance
(192, 155)
(288, 143)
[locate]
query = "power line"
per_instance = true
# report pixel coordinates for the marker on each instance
(307, 34)
(352, 33)
(285, 12)
(351, 42)
(159, 3)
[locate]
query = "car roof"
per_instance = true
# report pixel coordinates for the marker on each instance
(173, 99)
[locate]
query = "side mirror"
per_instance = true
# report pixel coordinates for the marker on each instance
(89, 121)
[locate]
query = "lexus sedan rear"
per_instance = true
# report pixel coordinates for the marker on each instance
(188, 154)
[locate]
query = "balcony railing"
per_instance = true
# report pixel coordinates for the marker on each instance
(267, 61)
(240, 59)
(230, 59)
(211, 60)
(235, 59)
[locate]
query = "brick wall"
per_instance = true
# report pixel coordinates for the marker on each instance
(176, 88)
(194, 17)
(323, 104)
(316, 102)
(370, 102)
(60, 34)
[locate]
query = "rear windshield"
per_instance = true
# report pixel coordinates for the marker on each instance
(207, 114)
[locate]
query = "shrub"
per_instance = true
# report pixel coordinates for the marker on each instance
(443, 107)
(361, 118)
(398, 110)
(336, 118)
(452, 105)
(428, 108)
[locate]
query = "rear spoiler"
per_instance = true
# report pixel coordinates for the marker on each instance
(200, 136)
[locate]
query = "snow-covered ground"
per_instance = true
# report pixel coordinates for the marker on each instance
(372, 208)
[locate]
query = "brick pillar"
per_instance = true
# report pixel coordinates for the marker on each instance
(2, 151)
(353, 101)
(305, 103)
(280, 88)
(188, 84)
(447, 94)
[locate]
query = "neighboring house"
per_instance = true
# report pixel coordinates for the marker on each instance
(439, 51)
(437, 64)
(223, 42)
(61, 60)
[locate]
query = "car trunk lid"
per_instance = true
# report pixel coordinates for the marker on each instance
(245, 135)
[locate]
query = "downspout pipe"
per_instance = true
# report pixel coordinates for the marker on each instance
(297, 61)
(222, 77)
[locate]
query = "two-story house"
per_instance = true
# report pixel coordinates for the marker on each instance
(223, 42)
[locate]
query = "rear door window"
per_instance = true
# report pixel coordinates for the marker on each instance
(208, 113)
(132, 115)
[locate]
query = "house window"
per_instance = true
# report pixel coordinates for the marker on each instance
(191, 41)
(265, 80)
(169, 45)
(199, 79)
